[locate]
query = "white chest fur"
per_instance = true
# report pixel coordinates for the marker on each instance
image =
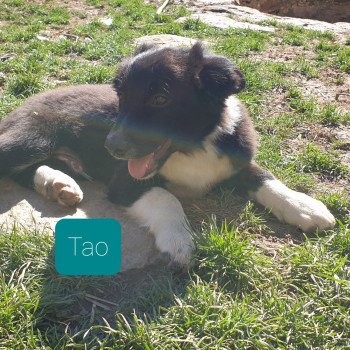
(197, 171)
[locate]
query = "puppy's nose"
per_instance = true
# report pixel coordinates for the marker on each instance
(116, 146)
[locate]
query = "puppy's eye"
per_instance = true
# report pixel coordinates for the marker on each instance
(159, 100)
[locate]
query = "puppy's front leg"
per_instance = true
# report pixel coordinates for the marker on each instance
(288, 206)
(57, 186)
(163, 214)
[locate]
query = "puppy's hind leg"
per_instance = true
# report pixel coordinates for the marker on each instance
(22, 146)
(288, 206)
(17, 156)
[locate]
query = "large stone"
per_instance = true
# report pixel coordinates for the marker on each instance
(228, 8)
(25, 208)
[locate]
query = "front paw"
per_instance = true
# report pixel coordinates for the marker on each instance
(66, 193)
(178, 244)
(305, 212)
(57, 186)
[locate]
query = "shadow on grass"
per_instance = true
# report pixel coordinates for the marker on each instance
(76, 309)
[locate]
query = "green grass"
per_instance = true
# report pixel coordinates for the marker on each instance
(240, 293)
(306, 68)
(312, 159)
(334, 55)
(339, 203)
(308, 109)
(235, 298)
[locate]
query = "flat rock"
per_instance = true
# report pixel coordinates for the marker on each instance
(224, 22)
(165, 39)
(225, 8)
(25, 208)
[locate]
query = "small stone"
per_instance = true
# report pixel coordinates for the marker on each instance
(107, 21)
(5, 57)
(42, 38)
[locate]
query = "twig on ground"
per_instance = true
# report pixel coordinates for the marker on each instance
(92, 316)
(97, 303)
(341, 94)
(100, 299)
(161, 8)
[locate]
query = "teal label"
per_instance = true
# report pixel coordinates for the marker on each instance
(88, 247)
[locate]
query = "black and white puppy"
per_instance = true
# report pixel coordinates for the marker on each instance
(169, 126)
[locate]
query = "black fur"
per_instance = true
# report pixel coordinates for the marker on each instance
(249, 179)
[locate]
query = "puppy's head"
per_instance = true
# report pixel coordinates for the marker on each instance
(170, 99)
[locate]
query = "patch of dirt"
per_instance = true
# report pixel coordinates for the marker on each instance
(324, 137)
(80, 13)
(322, 88)
(282, 53)
(275, 104)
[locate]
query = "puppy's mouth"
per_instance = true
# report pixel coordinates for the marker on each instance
(140, 168)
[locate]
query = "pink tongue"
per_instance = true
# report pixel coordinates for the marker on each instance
(139, 168)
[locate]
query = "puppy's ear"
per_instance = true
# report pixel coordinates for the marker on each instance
(143, 48)
(216, 74)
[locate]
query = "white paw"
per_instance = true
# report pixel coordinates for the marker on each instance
(305, 212)
(66, 192)
(293, 207)
(163, 214)
(177, 243)
(57, 186)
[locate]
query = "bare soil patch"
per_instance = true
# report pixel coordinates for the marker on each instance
(323, 88)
